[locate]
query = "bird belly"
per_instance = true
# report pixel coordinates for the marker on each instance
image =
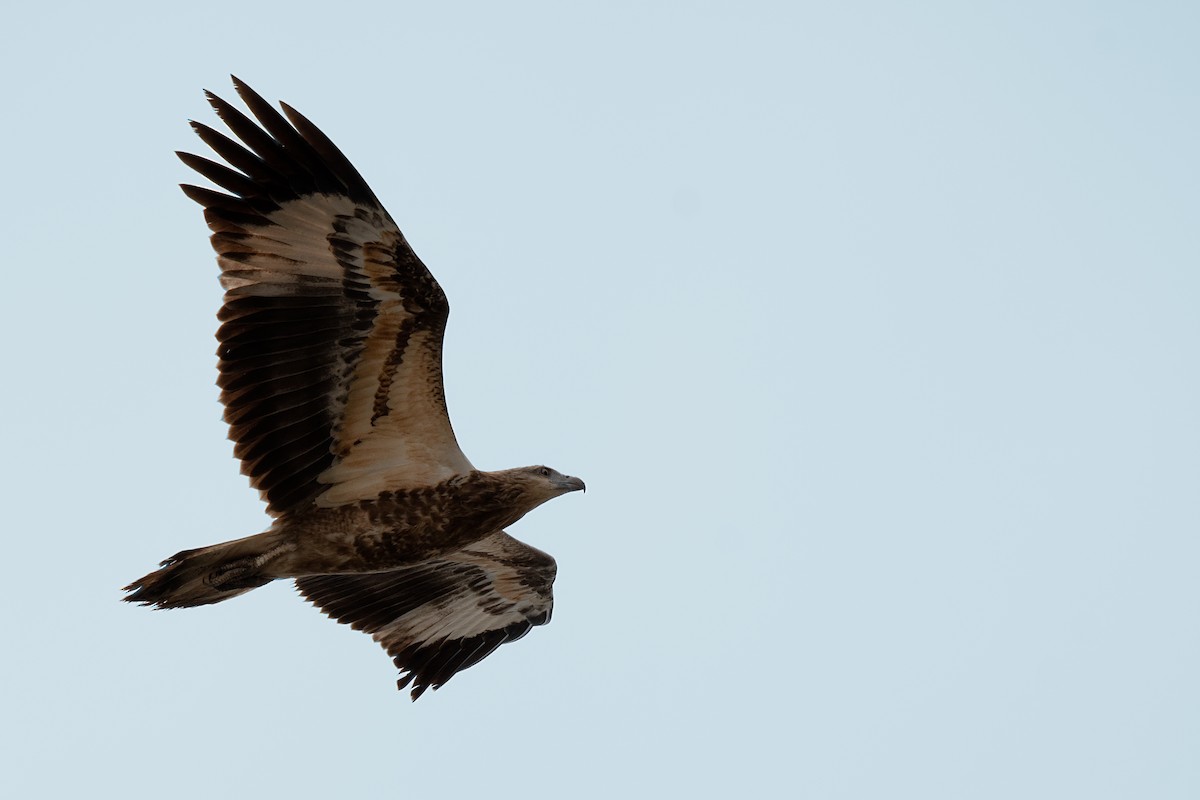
(362, 540)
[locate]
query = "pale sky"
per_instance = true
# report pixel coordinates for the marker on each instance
(872, 328)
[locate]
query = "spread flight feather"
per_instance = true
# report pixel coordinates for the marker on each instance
(330, 362)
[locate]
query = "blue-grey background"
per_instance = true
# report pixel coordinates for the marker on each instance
(871, 326)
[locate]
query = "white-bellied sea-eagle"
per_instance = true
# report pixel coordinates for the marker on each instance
(330, 362)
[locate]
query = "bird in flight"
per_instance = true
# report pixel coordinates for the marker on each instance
(330, 361)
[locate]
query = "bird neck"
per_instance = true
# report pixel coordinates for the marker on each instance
(493, 500)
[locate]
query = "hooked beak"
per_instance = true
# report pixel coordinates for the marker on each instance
(569, 484)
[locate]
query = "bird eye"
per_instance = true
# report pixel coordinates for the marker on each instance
(545, 473)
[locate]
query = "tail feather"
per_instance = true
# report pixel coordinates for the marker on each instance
(209, 574)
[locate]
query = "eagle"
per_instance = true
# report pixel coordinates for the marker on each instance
(330, 362)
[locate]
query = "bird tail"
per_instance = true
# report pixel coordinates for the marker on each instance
(210, 574)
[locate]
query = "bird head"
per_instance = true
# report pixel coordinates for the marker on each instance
(541, 483)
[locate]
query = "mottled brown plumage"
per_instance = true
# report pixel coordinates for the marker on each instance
(330, 363)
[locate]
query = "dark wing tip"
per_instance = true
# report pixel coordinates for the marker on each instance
(432, 666)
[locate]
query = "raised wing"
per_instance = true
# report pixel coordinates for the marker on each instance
(331, 336)
(442, 616)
